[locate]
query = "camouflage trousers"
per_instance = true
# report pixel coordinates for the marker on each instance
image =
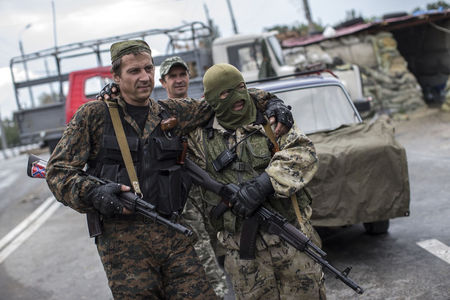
(146, 260)
(279, 271)
(204, 249)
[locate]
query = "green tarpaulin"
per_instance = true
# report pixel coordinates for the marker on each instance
(362, 176)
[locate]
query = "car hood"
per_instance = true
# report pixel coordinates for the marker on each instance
(362, 175)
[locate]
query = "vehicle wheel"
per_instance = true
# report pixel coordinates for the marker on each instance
(379, 227)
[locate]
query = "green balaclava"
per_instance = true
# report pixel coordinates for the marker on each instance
(222, 77)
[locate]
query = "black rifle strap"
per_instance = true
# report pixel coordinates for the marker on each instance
(250, 228)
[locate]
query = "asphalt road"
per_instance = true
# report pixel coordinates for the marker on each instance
(57, 260)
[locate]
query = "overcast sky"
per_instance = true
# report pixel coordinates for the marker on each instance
(91, 19)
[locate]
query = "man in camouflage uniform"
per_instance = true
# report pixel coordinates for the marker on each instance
(142, 259)
(279, 271)
(175, 79)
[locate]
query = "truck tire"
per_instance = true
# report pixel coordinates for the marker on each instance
(378, 227)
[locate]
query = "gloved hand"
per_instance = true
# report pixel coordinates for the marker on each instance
(251, 195)
(106, 200)
(109, 91)
(277, 111)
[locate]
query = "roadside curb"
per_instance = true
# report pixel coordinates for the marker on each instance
(13, 152)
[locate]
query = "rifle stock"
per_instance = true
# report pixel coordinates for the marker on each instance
(37, 168)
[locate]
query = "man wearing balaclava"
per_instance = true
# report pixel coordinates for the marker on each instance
(234, 148)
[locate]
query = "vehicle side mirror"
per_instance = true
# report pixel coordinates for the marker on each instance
(362, 105)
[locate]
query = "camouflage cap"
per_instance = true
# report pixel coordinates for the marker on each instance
(169, 63)
(122, 48)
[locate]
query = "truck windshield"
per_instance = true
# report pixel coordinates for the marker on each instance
(319, 108)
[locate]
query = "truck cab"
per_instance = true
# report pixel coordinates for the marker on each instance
(257, 56)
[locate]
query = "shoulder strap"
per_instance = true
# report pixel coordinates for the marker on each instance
(123, 145)
(271, 136)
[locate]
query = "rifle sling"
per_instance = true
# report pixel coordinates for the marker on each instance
(93, 218)
(123, 145)
(271, 136)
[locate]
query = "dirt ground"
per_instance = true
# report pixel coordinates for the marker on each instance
(426, 128)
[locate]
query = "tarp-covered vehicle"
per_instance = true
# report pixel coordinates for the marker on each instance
(363, 174)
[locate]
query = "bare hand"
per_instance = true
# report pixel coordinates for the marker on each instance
(280, 128)
(125, 188)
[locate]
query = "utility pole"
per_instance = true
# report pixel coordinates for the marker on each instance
(58, 65)
(214, 30)
(4, 142)
(54, 25)
(208, 18)
(233, 21)
(308, 16)
(52, 92)
(25, 67)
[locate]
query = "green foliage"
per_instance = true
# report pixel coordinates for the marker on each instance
(434, 5)
(46, 98)
(303, 30)
(11, 133)
(438, 4)
(298, 30)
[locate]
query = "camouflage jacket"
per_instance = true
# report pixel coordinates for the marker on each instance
(290, 169)
(82, 140)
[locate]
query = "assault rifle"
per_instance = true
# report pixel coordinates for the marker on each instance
(271, 222)
(37, 168)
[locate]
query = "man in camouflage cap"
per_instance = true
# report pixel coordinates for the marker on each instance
(278, 270)
(142, 259)
(175, 79)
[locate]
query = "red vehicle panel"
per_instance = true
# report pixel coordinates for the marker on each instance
(77, 88)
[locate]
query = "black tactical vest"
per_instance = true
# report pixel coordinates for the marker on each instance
(163, 182)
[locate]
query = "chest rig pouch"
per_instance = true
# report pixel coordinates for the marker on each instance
(163, 180)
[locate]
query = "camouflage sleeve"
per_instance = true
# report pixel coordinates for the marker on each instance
(294, 165)
(261, 98)
(193, 113)
(79, 143)
(196, 151)
(190, 113)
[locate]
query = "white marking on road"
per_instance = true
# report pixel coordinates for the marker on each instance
(25, 223)
(436, 248)
(27, 227)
